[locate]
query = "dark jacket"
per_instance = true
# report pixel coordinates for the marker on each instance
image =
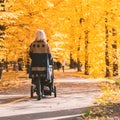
(41, 56)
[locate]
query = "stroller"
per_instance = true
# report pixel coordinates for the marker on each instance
(44, 87)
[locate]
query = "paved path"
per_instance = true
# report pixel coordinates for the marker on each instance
(73, 95)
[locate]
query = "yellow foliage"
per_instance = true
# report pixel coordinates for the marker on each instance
(65, 22)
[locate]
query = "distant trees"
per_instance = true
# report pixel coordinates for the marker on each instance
(84, 32)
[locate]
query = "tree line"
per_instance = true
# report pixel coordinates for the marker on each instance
(83, 32)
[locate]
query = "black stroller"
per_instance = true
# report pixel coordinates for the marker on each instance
(45, 87)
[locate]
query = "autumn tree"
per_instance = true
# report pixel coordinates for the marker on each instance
(106, 48)
(115, 57)
(2, 31)
(84, 32)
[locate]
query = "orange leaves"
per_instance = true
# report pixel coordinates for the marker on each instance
(61, 21)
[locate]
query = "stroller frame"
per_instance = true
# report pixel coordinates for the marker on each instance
(44, 87)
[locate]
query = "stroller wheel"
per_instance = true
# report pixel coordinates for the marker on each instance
(55, 94)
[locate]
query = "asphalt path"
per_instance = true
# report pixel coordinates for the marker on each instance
(74, 94)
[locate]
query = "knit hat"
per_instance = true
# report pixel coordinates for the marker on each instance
(40, 35)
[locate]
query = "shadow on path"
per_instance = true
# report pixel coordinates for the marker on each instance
(33, 116)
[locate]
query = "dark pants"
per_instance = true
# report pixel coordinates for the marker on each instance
(39, 84)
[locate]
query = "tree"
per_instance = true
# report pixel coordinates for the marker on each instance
(77, 31)
(115, 58)
(106, 49)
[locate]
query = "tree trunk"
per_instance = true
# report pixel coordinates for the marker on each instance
(71, 62)
(107, 74)
(115, 59)
(2, 5)
(79, 65)
(2, 46)
(86, 53)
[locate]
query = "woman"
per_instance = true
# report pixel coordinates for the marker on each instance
(41, 56)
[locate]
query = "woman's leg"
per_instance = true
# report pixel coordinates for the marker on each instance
(38, 86)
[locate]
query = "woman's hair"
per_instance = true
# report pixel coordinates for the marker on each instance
(40, 35)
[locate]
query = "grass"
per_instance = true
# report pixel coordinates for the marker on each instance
(107, 105)
(11, 79)
(102, 112)
(116, 79)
